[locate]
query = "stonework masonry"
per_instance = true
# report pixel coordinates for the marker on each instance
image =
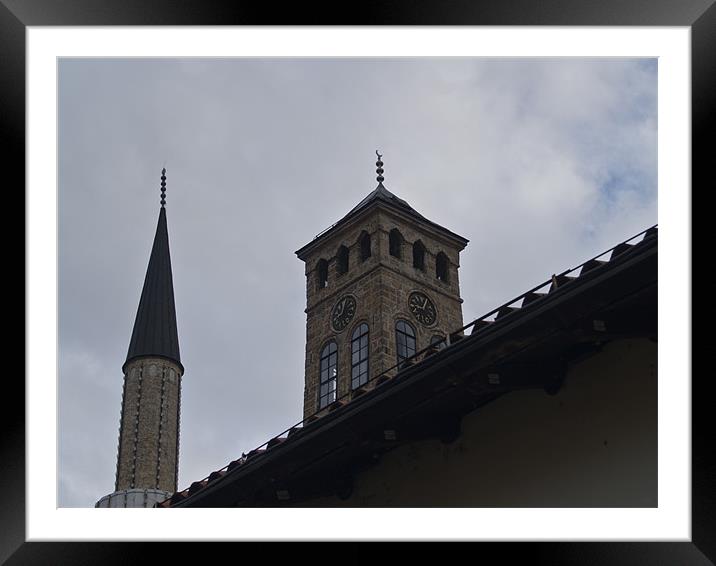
(149, 428)
(380, 285)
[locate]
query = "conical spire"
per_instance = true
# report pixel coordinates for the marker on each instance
(155, 328)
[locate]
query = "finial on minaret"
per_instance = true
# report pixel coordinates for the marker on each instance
(164, 187)
(379, 165)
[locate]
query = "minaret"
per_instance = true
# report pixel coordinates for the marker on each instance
(148, 453)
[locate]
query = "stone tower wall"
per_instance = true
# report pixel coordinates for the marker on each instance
(381, 285)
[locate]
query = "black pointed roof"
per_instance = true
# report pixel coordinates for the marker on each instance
(155, 328)
(383, 196)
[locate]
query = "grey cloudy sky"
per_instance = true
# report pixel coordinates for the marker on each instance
(540, 163)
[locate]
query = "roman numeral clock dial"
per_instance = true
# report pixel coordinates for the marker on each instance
(422, 308)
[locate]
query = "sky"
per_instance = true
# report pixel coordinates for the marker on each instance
(540, 163)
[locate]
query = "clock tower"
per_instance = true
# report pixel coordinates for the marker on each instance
(381, 284)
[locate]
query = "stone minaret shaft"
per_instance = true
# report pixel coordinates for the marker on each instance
(149, 429)
(148, 452)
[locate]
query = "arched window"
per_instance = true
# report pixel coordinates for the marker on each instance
(329, 375)
(404, 340)
(441, 267)
(342, 265)
(364, 242)
(322, 269)
(419, 255)
(359, 356)
(395, 243)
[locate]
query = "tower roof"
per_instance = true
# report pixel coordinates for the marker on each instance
(155, 327)
(381, 195)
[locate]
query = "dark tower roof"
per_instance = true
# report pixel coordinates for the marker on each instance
(380, 195)
(155, 328)
(383, 194)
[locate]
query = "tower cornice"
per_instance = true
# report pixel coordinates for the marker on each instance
(358, 214)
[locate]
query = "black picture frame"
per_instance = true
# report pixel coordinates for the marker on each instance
(699, 15)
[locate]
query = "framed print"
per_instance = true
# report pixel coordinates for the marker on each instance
(173, 91)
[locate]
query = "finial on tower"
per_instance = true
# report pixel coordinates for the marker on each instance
(164, 187)
(379, 165)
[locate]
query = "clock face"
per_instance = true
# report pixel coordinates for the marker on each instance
(422, 308)
(343, 312)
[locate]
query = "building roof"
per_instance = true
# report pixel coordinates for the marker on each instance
(155, 327)
(527, 342)
(381, 193)
(380, 196)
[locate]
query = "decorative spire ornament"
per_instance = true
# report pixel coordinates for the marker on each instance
(379, 170)
(164, 187)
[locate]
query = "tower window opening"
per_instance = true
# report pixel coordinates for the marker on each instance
(359, 356)
(419, 255)
(395, 243)
(322, 269)
(441, 267)
(364, 242)
(404, 340)
(342, 257)
(329, 375)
